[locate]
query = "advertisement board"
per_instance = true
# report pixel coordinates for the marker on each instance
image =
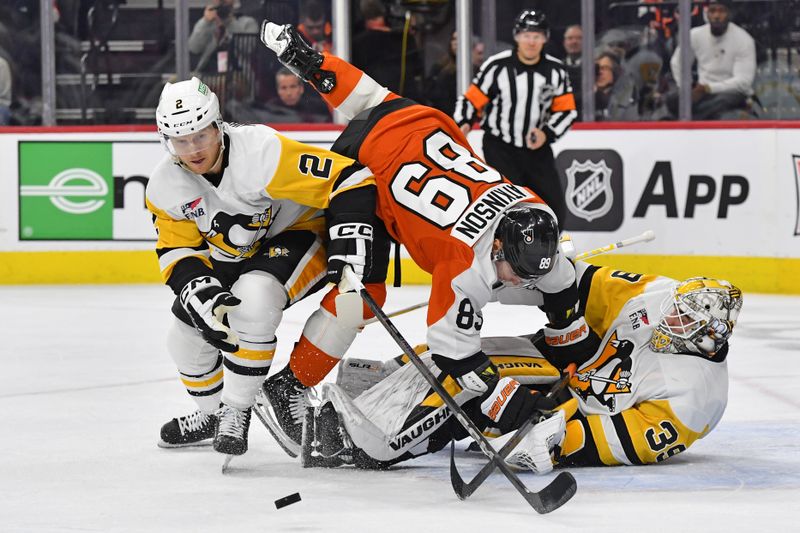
(715, 197)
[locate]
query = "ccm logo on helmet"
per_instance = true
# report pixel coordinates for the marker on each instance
(349, 231)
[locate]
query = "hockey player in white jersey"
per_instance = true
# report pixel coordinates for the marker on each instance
(241, 236)
(460, 220)
(657, 383)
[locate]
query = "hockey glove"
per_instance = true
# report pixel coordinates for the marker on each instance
(207, 304)
(537, 449)
(504, 401)
(574, 342)
(350, 244)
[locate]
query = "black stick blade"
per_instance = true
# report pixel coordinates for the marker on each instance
(554, 495)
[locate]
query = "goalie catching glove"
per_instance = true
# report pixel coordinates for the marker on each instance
(350, 244)
(504, 401)
(207, 304)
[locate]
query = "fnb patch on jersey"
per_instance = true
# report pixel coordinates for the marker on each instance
(191, 210)
(638, 318)
(476, 219)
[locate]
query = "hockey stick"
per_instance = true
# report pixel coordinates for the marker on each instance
(398, 312)
(553, 496)
(465, 489)
(648, 235)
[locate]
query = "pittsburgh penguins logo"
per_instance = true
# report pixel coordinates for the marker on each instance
(239, 235)
(609, 375)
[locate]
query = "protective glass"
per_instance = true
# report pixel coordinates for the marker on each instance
(194, 142)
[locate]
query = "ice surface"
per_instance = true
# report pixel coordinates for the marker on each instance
(88, 383)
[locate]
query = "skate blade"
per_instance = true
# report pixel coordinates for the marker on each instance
(200, 444)
(263, 411)
(226, 463)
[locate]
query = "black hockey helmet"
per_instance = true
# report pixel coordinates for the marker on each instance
(529, 241)
(531, 20)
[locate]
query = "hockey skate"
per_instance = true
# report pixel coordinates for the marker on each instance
(297, 55)
(196, 429)
(326, 443)
(283, 402)
(232, 427)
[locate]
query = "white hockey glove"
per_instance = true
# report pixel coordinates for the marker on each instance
(350, 244)
(536, 449)
(207, 304)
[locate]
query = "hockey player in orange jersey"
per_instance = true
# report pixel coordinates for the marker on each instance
(459, 219)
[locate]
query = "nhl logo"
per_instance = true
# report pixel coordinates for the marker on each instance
(589, 184)
(527, 235)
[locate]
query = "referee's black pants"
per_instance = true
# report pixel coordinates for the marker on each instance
(535, 169)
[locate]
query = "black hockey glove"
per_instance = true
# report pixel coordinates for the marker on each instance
(350, 244)
(207, 304)
(562, 344)
(504, 401)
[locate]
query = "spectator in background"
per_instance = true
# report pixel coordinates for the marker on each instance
(726, 66)
(614, 91)
(293, 104)
(378, 51)
(573, 43)
(211, 33)
(5, 92)
(314, 26)
(440, 87)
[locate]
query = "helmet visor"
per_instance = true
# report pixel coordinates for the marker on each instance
(194, 142)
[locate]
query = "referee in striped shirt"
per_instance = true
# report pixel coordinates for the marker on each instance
(525, 103)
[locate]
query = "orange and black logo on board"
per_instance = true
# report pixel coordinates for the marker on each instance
(608, 375)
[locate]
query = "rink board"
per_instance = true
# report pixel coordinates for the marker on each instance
(723, 202)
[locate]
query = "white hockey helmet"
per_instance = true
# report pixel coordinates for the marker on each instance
(184, 108)
(697, 316)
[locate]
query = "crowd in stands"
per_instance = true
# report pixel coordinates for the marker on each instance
(636, 59)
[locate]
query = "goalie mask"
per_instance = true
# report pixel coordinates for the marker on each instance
(528, 242)
(188, 117)
(697, 316)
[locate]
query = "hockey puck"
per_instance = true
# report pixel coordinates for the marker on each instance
(287, 500)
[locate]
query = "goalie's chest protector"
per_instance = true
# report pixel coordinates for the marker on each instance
(625, 372)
